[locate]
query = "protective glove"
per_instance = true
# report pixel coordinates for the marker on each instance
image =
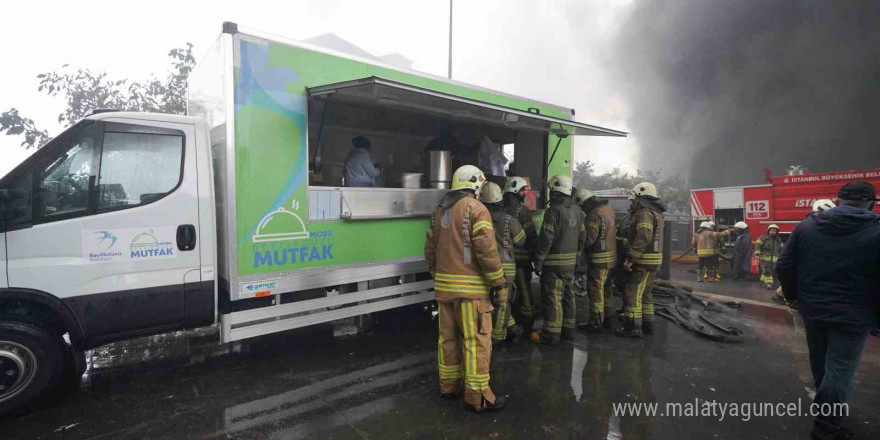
(628, 265)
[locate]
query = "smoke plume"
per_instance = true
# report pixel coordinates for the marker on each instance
(719, 90)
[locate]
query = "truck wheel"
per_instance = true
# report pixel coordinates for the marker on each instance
(31, 362)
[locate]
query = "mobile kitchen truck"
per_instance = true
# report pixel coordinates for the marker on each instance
(130, 224)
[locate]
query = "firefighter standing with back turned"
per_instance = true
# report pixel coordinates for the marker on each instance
(559, 246)
(463, 259)
(600, 256)
(706, 243)
(767, 249)
(509, 235)
(643, 259)
(514, 198)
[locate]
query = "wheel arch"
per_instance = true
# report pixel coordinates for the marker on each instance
(51, 304)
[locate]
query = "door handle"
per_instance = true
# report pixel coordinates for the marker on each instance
(186, 237)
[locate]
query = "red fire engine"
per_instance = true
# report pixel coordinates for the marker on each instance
(784, 200)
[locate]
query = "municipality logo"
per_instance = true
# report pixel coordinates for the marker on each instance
(106, 237)
(264, 285)
(146, 245)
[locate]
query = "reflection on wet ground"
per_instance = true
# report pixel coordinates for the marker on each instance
(331, 382)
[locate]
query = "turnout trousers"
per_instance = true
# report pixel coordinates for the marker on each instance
(557, 293)
(767, 272)
(503, 318)
(523, 308)
(464, 348)
(638, 301)
(596, 279)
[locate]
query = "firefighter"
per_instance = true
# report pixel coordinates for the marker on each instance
(509, 235)
(742, 257)
(469, 279)
(644, 234)
(706, 242)
(514, 198)
(767, 249)
(559, 246)
(600, 256)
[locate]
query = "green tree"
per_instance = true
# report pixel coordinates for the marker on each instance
(673, 189)
(84, 90)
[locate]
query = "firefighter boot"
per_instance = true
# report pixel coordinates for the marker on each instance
(526, 322)
(514, 333)
(610, 319)
(648, 327)
(699, 276)
(489, 407)
(629, 329)
(717, 276)
(705, 274)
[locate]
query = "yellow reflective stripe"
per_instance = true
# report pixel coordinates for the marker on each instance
(492, 276)
(603, 257)
(560, 263)
(482, 224)
(450, 276)
(508, 265)
(461, 289)
(705, 251)
(644, 225)
(480, 282)
(520, 236)
(561, 256)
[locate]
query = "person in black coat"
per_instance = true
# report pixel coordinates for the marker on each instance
(742, 252)
(830, 271)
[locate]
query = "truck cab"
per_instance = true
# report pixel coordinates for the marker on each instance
(107, 233)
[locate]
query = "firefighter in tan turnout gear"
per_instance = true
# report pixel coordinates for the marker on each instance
(767, 249)
(463, 258)
(509, 235)
(514, 197)
(559, 246)
(600, 256)
(644, 233)
(706, 242)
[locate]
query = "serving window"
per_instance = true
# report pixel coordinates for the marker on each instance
(382, 149)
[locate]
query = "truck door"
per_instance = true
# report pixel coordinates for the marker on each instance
(114, 226)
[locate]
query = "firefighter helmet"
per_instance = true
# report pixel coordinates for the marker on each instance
(644, 189)
(823, 205)
(490, 193)
(704, 225)
(515, 185)
(582, 195)
(468, 177)
(773, 226)
(711, 223)
(561, 183)
(741, 225)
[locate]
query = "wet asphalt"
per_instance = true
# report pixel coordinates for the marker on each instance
(344, 381)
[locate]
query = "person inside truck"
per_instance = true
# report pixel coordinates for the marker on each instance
(359, 169)
(490, 159)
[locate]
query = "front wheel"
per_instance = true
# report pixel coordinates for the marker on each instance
(31, 363)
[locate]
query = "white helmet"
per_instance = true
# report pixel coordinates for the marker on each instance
(582, 195)
(643, 189)
(773, 226)
(468, 177)
(711, 224)
(704, 225)
(515, 185)
(490, 193)
(823, 205)
(741, 225)
(561, 183)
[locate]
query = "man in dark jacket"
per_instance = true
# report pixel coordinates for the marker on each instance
(742, 255)
(830, 267)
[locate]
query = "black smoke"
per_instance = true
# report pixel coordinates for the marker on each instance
(719, 90)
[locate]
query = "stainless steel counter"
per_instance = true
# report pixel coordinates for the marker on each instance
(334, 203)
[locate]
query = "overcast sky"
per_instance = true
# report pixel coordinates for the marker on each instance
(557, 52)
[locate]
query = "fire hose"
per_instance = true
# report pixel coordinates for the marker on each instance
(678, 310)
